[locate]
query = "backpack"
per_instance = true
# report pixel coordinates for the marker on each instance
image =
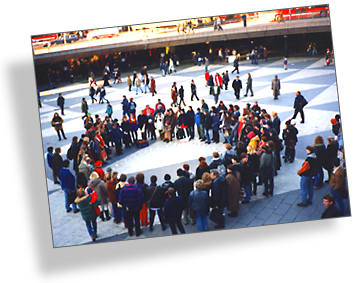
(222, 170)
(70, 153)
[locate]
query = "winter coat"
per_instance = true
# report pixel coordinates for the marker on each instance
(67, 180)
(152, 86)
(86, 208)
(268, 159)
(57, 163)
(199, 201)
(321, 154)
(337, 179)
(215, 122)
(275, 86)
(309, 167)
(183, 187)
(110, 188)
(56, 122)
(158, 198)
(234, 188)
(99, 187)
(220, 192)
(172, 210)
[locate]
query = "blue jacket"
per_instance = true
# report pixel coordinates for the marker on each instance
(125, 104)
(67, 180)
(215, 122)
(49, 159)
(190, 117)
(198, 118)
(109, 110)
(116, 134)
(199, 201)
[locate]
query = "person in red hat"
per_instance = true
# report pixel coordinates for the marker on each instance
(99, 170)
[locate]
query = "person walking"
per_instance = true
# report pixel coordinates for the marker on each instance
(198, 202)
(236, 65)
(249, 85)
(109, 110)
(102, 94)
(194, 91)
(276, 87)
(84, 108)
(87, 209)
(181, 96)
(299, 104)
(237, 85)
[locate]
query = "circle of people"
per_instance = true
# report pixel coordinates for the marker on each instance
(230, 177)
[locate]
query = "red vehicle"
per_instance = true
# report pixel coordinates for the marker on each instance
(317, 11)
(43, 38)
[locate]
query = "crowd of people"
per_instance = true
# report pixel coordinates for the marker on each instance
(253, 143)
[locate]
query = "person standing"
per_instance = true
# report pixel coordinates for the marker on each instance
(106, 80)
(299, 104)
(220, 196)
(131, 198)
(267, 169)
(146, 82)
(116, 136)
(68, 185)
(153, 86)
(331, 210)
(183, 187)
(234, 187)
(247, 176)
(337, 184)
(57, 122)
(61, 103)
(306, 173)
(109, 110)
(155, 198)
(199, 201)
(276, 87)
(137, 84)
(172, 211)
(237, 85)
(225, 79)
(249, 85)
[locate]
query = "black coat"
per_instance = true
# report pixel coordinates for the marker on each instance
(158, 198)
(237, 84)
(331, 211)
(57, 163)
(207, 121)
(220, 192)
(183, 187)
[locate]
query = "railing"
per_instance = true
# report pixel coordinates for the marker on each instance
(158, 35)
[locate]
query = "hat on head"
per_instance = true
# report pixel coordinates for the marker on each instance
(98, 163)
(251, 135)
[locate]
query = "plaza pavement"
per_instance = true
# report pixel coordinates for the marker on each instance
(306, 74)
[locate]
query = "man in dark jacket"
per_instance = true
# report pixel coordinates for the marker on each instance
(247, 174)
(68, 185)
(183, 187)
(220, 196)
(61, 103)
(299, 104)
(331, 209)
(132, 199)
(155, 198)
(116, 136)
(190, 121)
(57, 164)
(172, 211)
(237, 85)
